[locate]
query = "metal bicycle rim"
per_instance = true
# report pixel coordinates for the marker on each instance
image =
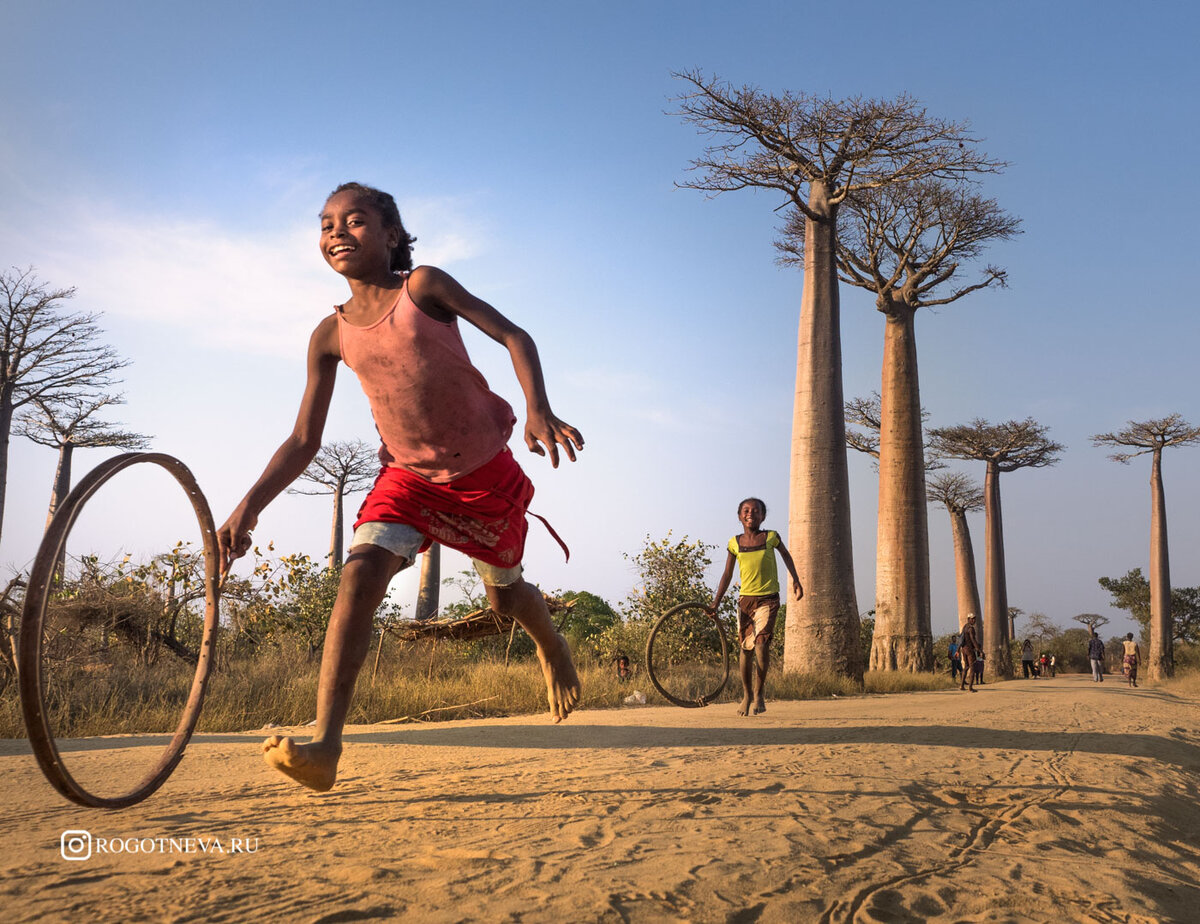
(31, 674)
(705, 698)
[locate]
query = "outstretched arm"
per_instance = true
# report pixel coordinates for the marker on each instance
(291, 458)
(797, 588)
(431, 287)
(730, 561)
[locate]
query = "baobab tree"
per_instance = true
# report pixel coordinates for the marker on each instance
(71, 423)
(339, 468)
(1004, 447)
(429, 586)
(47, 354)
(906, 244)
(1137, 439)
(1094, 621)
(891, 639)
(960, 495)
(816, 152)
(862, 417)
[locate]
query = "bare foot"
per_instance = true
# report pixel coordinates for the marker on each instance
(562, 683)
(311, 765)
(744, 708)
(760, 707)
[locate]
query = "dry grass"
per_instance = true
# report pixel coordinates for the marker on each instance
(1184, 683)
(418, 683)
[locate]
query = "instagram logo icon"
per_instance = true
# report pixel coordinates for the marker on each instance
(75, 845)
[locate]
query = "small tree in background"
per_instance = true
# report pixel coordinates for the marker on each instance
(1094, 621)
(339, 468)
(1137, 439)
(1132, 594)
(46, 353)
(1004, 447)
(71, 423)
(668, 573)
(960, 495)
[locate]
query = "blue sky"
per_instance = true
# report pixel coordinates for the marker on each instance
(169, 161)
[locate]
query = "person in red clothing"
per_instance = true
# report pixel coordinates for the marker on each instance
(448, 474)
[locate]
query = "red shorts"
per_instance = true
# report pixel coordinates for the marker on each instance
(481, 514)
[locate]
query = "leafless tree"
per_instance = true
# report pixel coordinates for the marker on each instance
(960, 495)
(71, 423)
(1137, 439)
(340, 467)
(1004, 447)
(47, 354)
(906, 244)
(815, 152)
(1039, 626)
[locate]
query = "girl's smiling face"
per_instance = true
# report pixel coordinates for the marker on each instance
(750, 515)
(354, 241)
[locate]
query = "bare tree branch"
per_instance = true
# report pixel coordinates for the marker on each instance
(789, 141)
(1010, 445)
(341, 466)
(865, 413)
(957, 492)
(47, 355)
(71, 419)
(1148, 435)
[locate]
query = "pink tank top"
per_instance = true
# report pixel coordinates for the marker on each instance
(432, 408)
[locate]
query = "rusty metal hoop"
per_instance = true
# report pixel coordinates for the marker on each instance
(31, 674)
(705, 698)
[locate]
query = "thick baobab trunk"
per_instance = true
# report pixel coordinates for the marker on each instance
(998, 662)
(431, 582)
(966, 584)
(336, 539)
(62, 487)
(903, 629)
(1162, 654)
(823, 628)
(62, 479)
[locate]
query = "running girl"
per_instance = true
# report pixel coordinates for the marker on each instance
(447, 476)
(758, 601)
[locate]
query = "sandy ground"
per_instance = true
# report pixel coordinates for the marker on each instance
(1057, 800)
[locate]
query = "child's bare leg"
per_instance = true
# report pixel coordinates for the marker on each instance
(525, 604)
(746, 666)
(364, 581)
(762, 660)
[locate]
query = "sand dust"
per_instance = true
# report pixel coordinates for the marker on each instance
(1056, 800)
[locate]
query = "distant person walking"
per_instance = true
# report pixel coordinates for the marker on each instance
(1027, 659)
(1133, 657)
(968, 650)
(953, 652)
(1096, 656)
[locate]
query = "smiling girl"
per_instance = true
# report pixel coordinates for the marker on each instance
(447, 476)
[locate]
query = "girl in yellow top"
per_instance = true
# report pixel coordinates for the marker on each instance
(758, 601)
